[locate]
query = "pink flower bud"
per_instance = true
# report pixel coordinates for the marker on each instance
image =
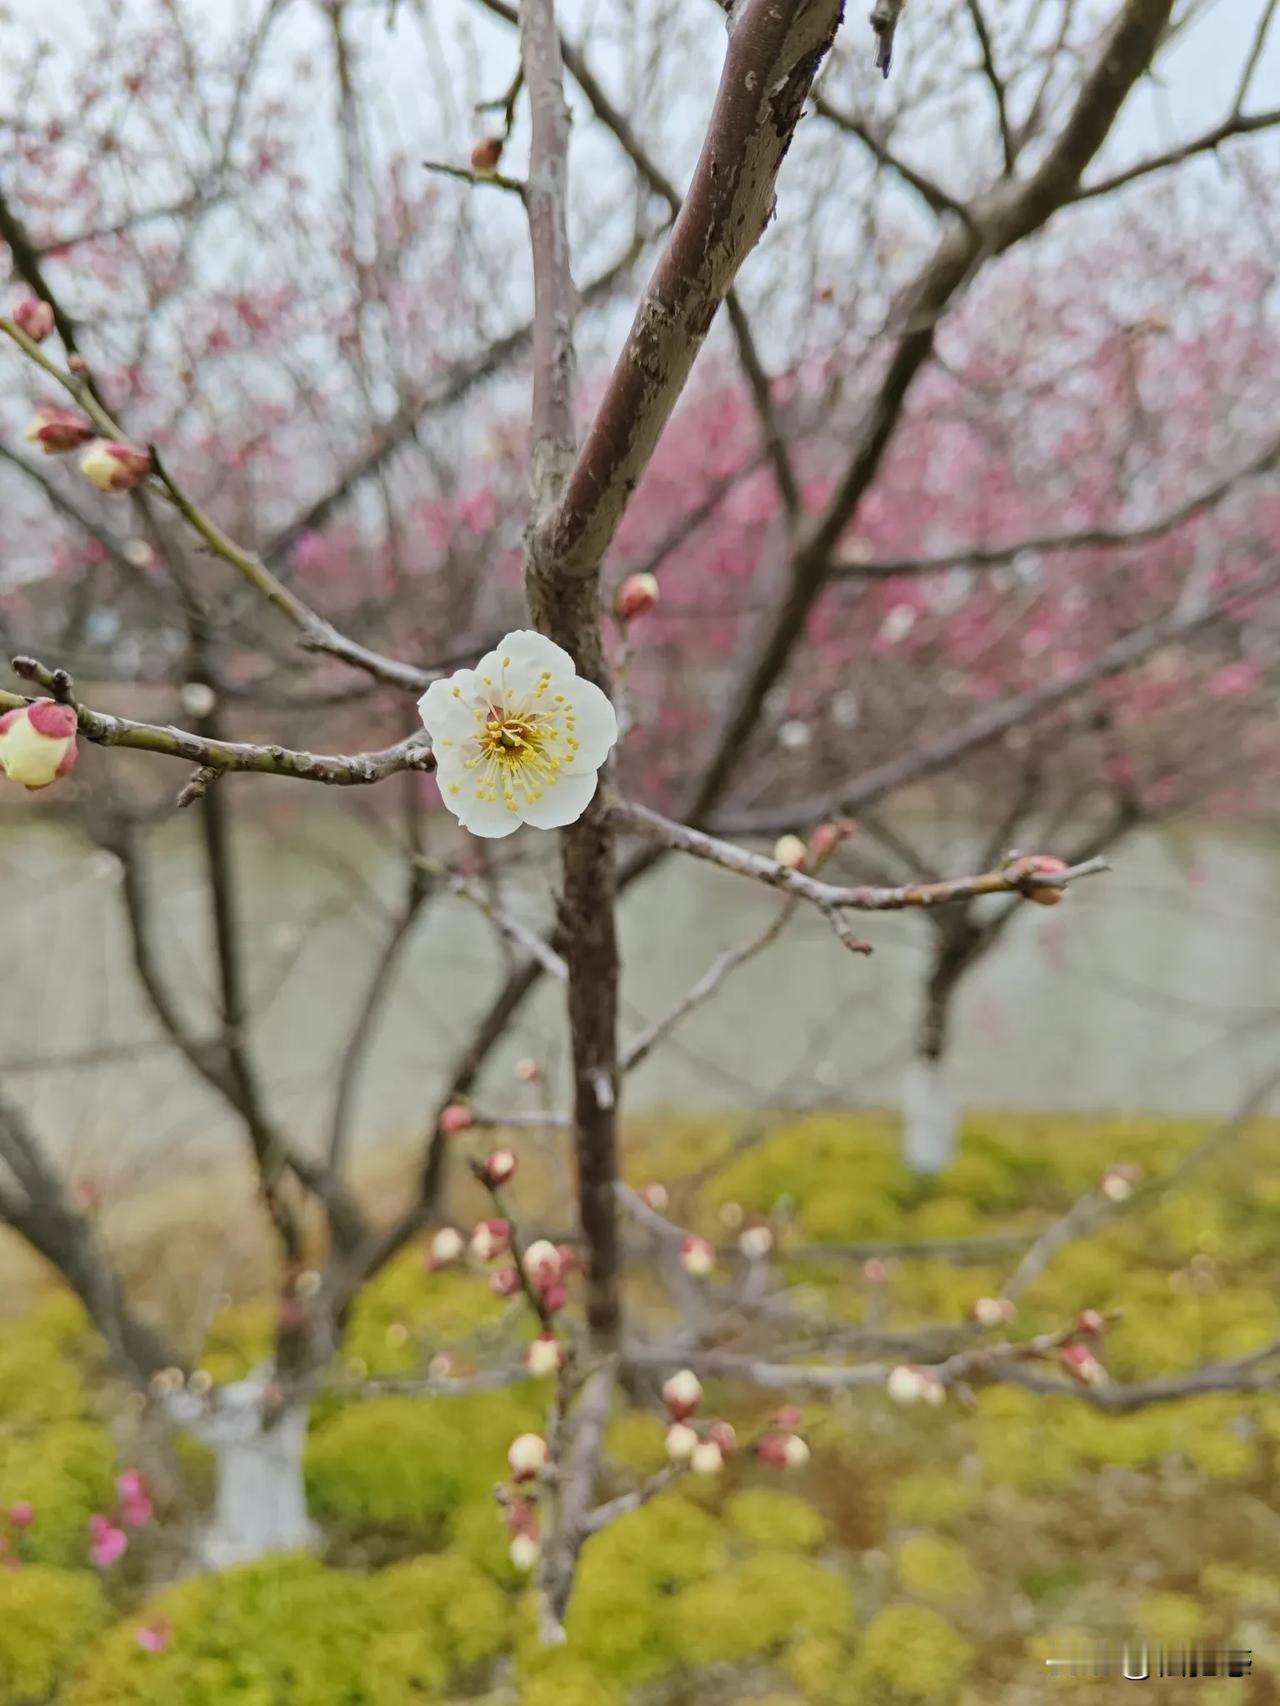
(56, 430)
(1080, 1363)
(1050, 866)
(636, 595)
(38, 743)
(529, 1071)
(682, 1394)
(115, 467)
(992, 1311)
(528, 1456)
(789, 1416)
(681, 1442)
(445, 1248)
(22, 1514)
(568, 1258)
(504, 1282)
(490, 1239)
(824, 841)
(542, 1261)
(1092, 1323)
(723, 1435)
(500, 1165)
(486, 156)
(457, 1117)
(911, 1384)
(1118, 1181)
(554, 1296)
(783, 1451)
(522, 1516)
(790, 851)
(706, 1458)
(154, 1637)
(545, 1356)
(524, 1551)
(696, 1255)
(34, 317)
(756, 1243)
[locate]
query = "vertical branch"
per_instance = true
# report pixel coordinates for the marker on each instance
(566, 608)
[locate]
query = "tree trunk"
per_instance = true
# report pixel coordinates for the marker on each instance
(260, 1501)
(929, 1124)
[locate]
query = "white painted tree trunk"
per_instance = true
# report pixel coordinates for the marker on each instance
(928, 1117)
(260, 1501)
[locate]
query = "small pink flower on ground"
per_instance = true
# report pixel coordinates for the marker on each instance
(22, 1514)
(455, 1118)
(527, 1456)
(790, 851)
(154, 1637)
(681, 1442)
(1049, 866)
(696, 1255)
(115, 467)
(445, 1248)
(682, 1394)
(107, 1543)
(499, 1166)
(545, 1356)
(34, 317)
(135, 1499)
(491, 1238)
(38, 743)
(58, 430)
(636, 595)
(1080, 1363)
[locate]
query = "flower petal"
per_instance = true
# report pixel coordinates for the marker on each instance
(488, 818)
(596, 728)
(447, 707)
(564, 802)
(517, 664)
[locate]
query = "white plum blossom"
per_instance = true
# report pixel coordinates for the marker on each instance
(519, 738)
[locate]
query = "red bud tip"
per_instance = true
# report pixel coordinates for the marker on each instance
(487, 155)
(636, 595)
(34, 317)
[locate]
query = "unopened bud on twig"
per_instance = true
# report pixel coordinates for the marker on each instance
(113, 466)
(486, 156)
(445, 1248)
(34, 317)
(682, 1394)
(696, 1255)
(545, 1356)
(527, 1456)
(636, 595)
(1080, 1363)
(455, 1118)
(491, 1238)
(499, 1166)
(38, 743)
(790, 851)
(56, 430)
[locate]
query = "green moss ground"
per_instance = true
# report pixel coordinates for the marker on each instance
(924, 1558)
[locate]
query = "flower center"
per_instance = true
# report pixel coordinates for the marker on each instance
(516, 751)
(508, 737)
